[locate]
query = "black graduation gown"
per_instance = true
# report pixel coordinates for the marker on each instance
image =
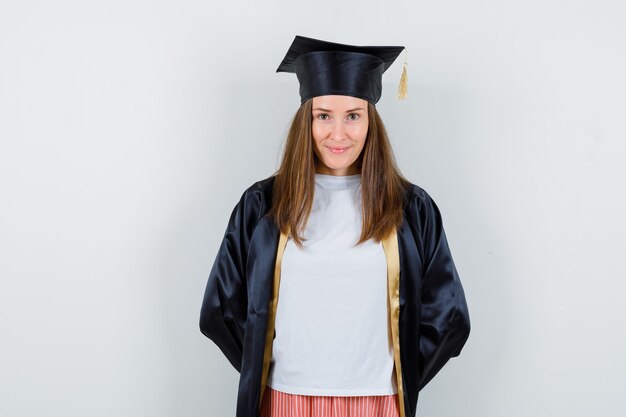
(428, 313)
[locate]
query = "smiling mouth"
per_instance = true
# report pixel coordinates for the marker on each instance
(337, 149)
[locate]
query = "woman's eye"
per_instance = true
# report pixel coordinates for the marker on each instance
(353, 116)
(322, 116)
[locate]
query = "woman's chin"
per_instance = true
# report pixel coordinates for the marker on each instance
(337, 169)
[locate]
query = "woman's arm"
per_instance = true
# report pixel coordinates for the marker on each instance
(445, 324)
(225, 304)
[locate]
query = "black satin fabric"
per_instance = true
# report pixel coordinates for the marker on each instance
(325, 68)
(432, 299)
(434, 318)
(340, 73)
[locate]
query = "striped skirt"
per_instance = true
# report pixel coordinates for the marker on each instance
(281, 404)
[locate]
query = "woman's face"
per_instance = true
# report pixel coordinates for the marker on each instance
(339, 129)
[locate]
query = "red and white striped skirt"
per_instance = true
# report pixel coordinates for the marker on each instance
(281, 404)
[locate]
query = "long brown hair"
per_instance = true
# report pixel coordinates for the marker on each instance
(382, 184)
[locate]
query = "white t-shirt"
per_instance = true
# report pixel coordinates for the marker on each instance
(332, 329)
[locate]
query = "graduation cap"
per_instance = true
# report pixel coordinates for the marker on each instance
(327, 68)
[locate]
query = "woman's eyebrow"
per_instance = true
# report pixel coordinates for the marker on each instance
(330, 111)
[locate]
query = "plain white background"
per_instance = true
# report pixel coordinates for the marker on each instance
(129, 129)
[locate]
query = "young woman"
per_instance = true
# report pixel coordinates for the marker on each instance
(334, 292)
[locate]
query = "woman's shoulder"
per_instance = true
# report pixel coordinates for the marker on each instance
(256, 199)
(419, 205)
(261, 189)
(415, 193)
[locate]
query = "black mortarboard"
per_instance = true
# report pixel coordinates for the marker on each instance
(325, 68)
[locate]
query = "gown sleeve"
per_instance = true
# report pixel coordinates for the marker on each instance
(224, 307)
(445, 323)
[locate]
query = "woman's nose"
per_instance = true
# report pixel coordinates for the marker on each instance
(339, 130)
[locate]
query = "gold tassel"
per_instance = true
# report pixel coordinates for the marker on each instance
(403, 82)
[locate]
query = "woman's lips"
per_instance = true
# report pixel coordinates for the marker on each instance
(338, 149)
